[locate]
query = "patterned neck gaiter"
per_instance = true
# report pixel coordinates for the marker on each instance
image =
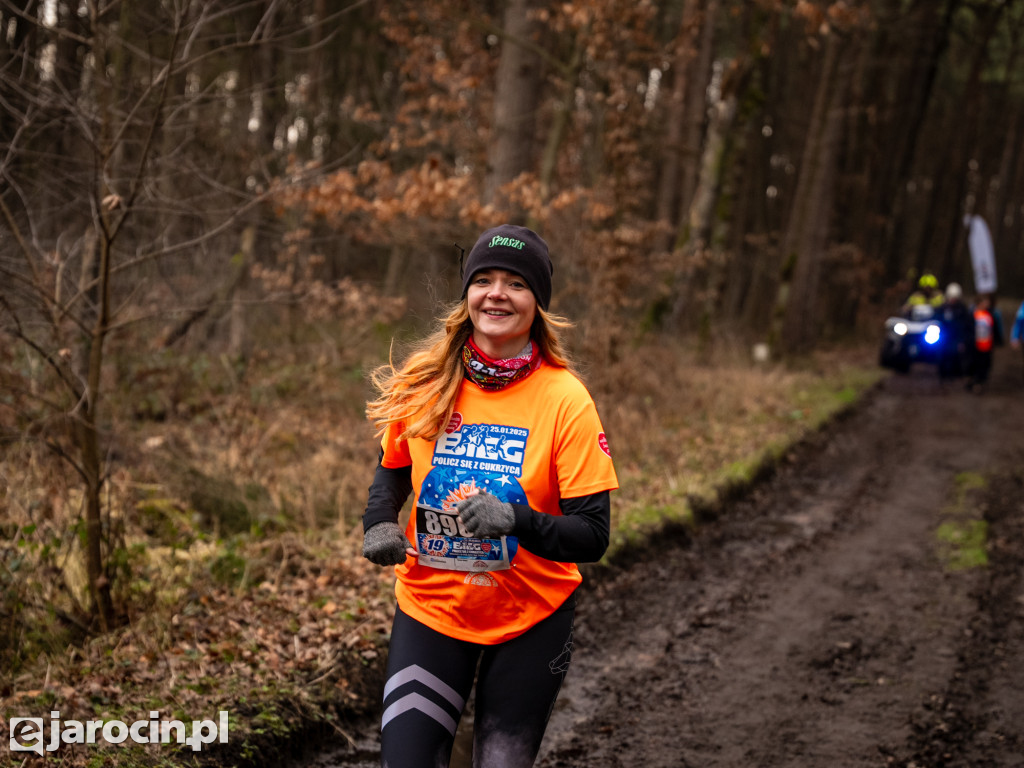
(491, 374)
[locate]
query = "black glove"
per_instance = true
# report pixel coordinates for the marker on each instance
(385, 544)
(486, 516)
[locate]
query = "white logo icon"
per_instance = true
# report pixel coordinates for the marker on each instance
(27, 734)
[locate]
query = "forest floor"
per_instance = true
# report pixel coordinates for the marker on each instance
(864, 606)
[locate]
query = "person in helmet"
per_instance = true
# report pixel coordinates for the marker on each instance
(927, 293)
(957, 333)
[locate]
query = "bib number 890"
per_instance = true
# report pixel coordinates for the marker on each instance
(448, 525)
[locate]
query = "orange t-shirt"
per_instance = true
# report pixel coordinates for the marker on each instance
(534, 442)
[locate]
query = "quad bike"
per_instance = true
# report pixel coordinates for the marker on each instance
(917, 338)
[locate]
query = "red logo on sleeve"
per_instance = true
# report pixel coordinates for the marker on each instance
(603, 442)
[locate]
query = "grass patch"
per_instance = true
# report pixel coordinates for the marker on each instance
(963, 536)
(963, 544)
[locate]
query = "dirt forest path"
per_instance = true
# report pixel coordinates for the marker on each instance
(817, 622)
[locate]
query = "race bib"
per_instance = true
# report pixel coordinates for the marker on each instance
(442, 541)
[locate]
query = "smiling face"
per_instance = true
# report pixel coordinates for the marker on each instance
(502, 308)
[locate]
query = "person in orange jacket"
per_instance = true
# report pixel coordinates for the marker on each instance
(985, 332)
(501, 446)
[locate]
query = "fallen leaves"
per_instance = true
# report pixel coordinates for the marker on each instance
(306, 637)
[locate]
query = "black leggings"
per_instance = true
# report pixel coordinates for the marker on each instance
(429, 677)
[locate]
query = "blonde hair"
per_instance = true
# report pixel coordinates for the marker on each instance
(422, 392)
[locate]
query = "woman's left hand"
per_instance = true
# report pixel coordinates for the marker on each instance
(486, 516)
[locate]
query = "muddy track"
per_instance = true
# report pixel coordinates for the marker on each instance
(818, 620)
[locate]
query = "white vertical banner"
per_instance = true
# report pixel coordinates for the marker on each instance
(983, 257)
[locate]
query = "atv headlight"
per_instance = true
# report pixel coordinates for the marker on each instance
(932, 334)
(900, 329)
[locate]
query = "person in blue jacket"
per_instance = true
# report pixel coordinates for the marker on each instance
(1017, 332)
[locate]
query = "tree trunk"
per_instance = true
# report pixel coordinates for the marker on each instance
(237, 347)
(911, 110)
(669, 180)
(807, 232)
(744, 182)
(562, 120)
(96, 282)
(516, 98)
(393, 280)
(1000, 202)
(752, 275)
(18, 49)
(700, 266)
(87, 438)
(1005, 213)
(952, 235)
(696, 108)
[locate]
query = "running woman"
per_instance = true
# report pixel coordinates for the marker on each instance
(502, 447)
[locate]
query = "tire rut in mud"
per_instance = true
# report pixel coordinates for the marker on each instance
(978, 719)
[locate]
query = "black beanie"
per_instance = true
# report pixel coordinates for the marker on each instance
(515, 249)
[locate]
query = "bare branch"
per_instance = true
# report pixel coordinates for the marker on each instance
(144, 157)
(50, 358)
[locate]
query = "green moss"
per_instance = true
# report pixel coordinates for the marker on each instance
(639, 524)
(969, 481)
(963, 536)
(228, 568)
(963, 544)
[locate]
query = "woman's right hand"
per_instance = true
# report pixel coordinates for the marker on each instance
(385, 544)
